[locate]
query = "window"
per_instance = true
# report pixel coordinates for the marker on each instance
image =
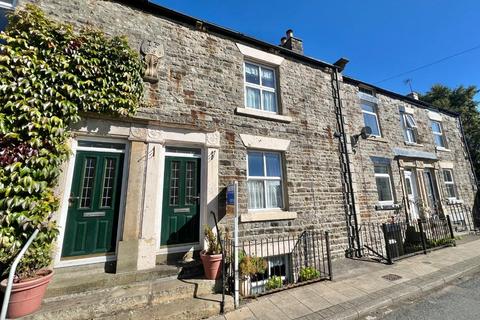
(384, 184)
(409, 127)
(438, 136)
(264, 180)
(260, 88)
(277, 266)
(449, 183)
(370, 117)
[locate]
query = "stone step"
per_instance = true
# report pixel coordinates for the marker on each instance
(86, 278)
(185, 309)
(134, 298)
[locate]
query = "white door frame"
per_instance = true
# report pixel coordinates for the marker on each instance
(203, 196)
(410, 175)
(63, 212)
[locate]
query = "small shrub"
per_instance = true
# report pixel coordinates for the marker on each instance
(213, 244)
(251, 265)
(308, 273)
(275, 282)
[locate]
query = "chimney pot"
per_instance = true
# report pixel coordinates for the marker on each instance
(283, 40)
(289, 33)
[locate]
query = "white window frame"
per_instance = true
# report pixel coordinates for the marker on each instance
(7, 4)
(265, 178)
(260, 86)
(384, 175)
(409, 128)
(441, 134)
(375, 107)
(450, 183)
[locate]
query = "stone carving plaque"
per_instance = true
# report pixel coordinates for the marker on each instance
(152, 52)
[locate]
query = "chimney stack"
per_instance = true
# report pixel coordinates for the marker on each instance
(413, 95)
(292, 43)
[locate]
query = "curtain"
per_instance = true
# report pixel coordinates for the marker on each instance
(274, 194)
(269, 101)
(253, 98)
(256, 197)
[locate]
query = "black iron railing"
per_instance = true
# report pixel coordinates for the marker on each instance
(270, 264)
(387, 242)
(462, 217)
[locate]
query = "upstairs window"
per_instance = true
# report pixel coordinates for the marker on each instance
(384, 184)
(438, 135)
(5, 8)
(409, 128)
(264, 180)
(260, 88)
(370, 117)
(449, 184)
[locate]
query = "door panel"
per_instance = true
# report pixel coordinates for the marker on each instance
(94, 204)
(181, 210)
(412, 194)
(431, 193)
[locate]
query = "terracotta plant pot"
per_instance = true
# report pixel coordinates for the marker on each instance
(211, 265)
(27, 295)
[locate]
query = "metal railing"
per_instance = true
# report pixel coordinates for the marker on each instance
(387, 242)
(462, 217)
(277, 263)
(11, 274)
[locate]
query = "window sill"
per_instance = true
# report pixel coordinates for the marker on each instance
(388, 206)
(267, 215)
(263, 115)
(377, 139)
(442, 149)
(413, 144)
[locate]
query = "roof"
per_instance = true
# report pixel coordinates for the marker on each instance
(153, 8)
(418, 103)
(176, 16)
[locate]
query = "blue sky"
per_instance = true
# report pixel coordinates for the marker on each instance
(380, 38)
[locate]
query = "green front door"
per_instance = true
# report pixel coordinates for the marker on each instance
(181, 194)
(94, 202)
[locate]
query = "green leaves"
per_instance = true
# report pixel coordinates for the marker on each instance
(48, 75)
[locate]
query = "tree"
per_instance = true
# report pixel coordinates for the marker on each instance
(460, 100)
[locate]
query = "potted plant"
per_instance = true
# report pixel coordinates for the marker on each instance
(212, 255)
(249, 267)
(32, 275)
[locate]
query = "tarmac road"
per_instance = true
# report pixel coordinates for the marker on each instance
(459, 301)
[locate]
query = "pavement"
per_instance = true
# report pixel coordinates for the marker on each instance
(457, 301)
(360, 287)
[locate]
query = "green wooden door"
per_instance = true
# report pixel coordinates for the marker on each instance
(181, 209)
(94, 204)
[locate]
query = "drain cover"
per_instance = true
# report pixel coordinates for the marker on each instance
(392, 277)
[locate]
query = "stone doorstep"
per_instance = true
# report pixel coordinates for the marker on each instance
(86, 278)
(99, 303)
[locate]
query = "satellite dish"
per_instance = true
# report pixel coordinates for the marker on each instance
(366, 132)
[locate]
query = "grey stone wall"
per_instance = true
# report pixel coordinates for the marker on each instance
(392, 136)
(201, 84)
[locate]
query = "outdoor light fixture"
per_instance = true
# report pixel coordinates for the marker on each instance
(364, 134)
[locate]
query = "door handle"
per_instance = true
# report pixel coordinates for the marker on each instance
(71, 199)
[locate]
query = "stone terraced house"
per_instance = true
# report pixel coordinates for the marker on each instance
(222, 106)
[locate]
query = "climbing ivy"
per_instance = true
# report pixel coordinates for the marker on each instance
(49, 74)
